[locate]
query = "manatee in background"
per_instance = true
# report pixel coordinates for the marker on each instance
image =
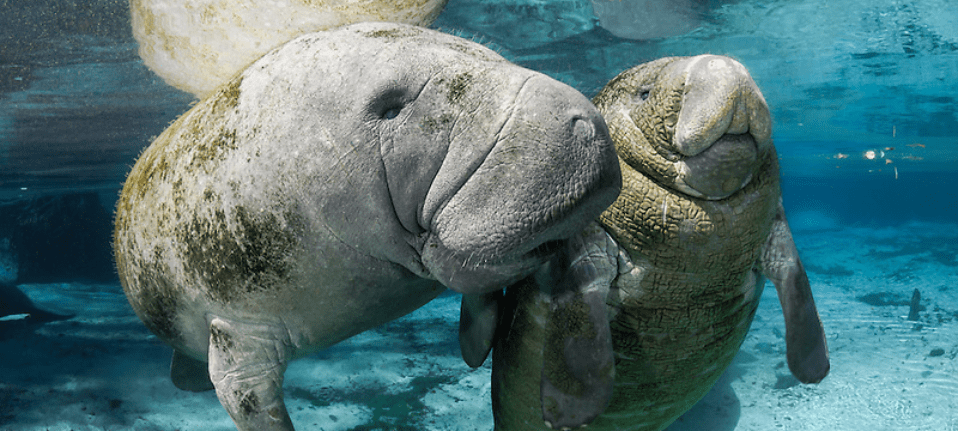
(197, 45)
(671, 279)
(342, 181)
(18, 313)
(649, 19)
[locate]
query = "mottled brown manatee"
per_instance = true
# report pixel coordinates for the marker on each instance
(342, 181)
(671, 279)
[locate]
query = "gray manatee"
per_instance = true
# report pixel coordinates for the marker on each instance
(671, 279)
(342, 181)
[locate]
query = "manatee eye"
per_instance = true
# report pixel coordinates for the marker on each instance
(391, 113)
(643, 94)
(388, 104)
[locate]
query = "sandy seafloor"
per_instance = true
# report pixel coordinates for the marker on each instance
(102, 370)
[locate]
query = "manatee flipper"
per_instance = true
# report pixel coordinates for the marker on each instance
(246, 363)
(189, 374)
(805, 343)
(578, 364)
(477, 326)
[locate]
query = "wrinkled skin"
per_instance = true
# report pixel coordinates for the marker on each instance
(342, 181)
(696, 228)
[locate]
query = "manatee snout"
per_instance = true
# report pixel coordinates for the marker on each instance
(723, 130)
(552, 170)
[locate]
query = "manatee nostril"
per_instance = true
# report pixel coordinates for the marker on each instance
(583, 129)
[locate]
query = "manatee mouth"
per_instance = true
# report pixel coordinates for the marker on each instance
(465, 274)
(481, 272)
(525, 264)
(546, 250)
(720, 170)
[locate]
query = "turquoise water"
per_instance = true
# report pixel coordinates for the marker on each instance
(864, 98)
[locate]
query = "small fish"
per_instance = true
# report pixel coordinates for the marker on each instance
(916, 145)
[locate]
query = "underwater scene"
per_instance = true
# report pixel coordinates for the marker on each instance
(862, 104)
